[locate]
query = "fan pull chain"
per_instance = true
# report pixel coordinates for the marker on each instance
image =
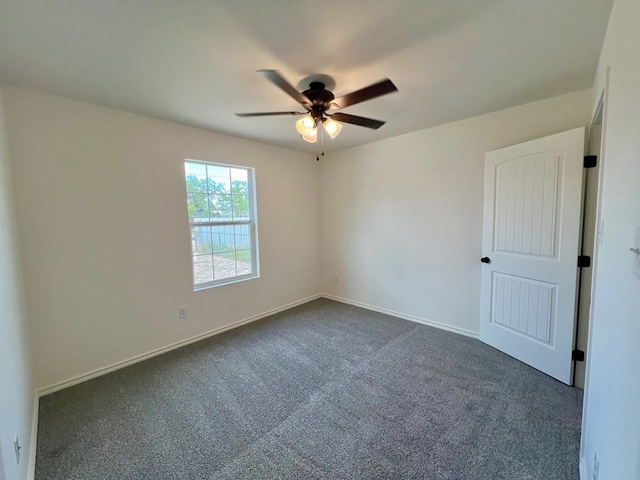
(321, 128)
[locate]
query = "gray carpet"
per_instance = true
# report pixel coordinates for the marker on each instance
(324, 390)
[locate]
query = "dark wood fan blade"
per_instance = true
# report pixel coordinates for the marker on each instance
(367, 93)
(268, 114)
(355, 120)
(274, 77)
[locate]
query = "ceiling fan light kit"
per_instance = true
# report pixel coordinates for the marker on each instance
(307, 127)
(317, 100)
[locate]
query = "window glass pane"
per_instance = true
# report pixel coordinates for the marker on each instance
(198, 205)
(223, 239)
(201, 238)
(220, 207)
(239, 175)
(224, 265)
(202, 269)
(219, 179)
(196, 176)
(242, 237)
(243, 262)
(240, 205)
(240, 191)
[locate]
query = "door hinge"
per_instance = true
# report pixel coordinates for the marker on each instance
(577, 356)
(584, 261)
(590, 161)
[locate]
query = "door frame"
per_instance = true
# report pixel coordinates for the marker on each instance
(589, 238)
(601, 109)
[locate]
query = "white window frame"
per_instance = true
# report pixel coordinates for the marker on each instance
(252, 222)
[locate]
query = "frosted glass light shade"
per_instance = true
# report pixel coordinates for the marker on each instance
(312, 136)
(305, 124)
(333, 128)
(306, 127)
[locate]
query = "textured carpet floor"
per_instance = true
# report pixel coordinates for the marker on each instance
(324, 390)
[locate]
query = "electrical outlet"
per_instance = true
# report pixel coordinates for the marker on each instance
(182, 312)
(596, 467)
(337, 279)
(17, 447)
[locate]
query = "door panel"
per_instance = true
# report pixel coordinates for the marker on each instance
(524, 306)
(531, 234)
(526, 205)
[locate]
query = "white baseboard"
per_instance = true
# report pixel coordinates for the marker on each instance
(159, 351)
(411, 318)
(33, 441)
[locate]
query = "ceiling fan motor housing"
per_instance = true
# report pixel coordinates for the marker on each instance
(320, 100)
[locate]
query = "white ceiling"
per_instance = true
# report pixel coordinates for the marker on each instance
(194, 61)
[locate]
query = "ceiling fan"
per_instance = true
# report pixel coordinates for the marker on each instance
(317, 101)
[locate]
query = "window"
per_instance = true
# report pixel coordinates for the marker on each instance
(221, 206)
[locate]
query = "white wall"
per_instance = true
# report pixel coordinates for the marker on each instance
(16, 386)
(402, 218)
(101, 203)
(612, 414)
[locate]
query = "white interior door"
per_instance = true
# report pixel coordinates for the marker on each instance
(531, 235)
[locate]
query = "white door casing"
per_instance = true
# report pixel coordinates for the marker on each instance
(531, 234)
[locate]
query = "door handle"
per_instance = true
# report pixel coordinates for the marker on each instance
(485, 260)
